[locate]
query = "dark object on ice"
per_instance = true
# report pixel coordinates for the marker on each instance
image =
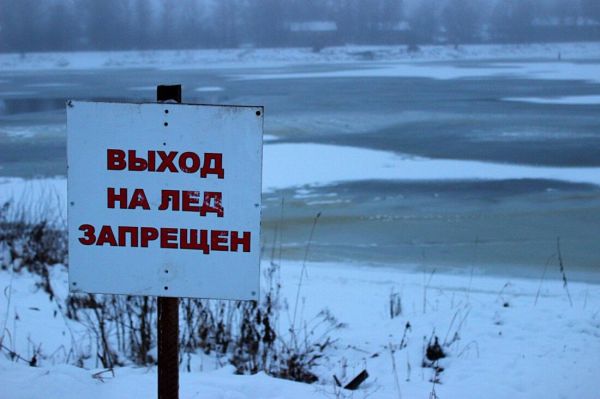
(359, 379)
(434, 352)
(506, 304)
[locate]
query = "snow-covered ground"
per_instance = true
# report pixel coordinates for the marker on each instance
(236, 58)
(502, 339)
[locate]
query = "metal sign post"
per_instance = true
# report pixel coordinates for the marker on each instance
(168, 308)
(168, 348)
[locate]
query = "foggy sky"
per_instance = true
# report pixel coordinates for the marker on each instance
(50, 25)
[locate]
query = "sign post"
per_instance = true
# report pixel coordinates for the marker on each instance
(164, 200)
(168, 308)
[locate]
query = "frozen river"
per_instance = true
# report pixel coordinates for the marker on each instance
(449, 163)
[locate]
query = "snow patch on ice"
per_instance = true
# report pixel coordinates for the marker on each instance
(528, 135)
(52, 84)
(18, 132)
(520, 70)
(567, 100)
(329, 163)
(17, 93)
(27, 132)
(142, 88)
(209, 89)
(269, 137)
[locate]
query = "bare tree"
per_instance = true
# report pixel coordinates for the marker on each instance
(424, 21)
(461, 21)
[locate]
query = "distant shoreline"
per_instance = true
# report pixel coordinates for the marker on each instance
(273, 57)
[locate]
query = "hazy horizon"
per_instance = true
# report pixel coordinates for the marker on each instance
(68, 25)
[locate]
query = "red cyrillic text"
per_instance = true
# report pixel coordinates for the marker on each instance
(167, 237)
(138, 199)
(189, 201)
(166, 161)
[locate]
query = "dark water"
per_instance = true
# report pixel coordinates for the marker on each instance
(15, 106)
(509, 227)
(495, 224)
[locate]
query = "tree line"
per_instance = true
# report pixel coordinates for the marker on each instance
(66, 25)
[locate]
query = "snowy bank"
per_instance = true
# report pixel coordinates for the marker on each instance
(504, 338)
(261, 58)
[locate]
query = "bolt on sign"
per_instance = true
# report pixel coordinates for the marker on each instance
(164, 199)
